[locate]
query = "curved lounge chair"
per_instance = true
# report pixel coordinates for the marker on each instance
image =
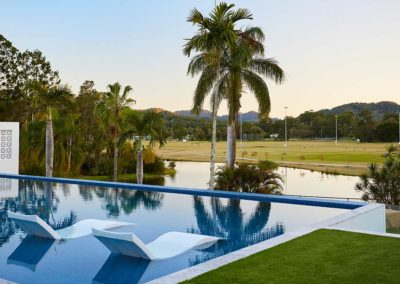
(167, 245)
(34, 225)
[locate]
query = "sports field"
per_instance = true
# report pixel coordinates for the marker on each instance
(350, 158)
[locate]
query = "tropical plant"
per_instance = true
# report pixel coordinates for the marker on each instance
(144, 125)
(259, 178)
(382, 183)
(214, 34)
(392, 152)
(68, 145)
(91, 128)
(111, 106)
(46, 101)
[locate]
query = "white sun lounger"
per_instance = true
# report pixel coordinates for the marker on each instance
(167, 245)
(34, 225)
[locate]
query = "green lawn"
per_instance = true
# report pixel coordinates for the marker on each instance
(324, 256)
(307, 154)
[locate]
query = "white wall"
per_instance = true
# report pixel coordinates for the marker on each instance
(370, 218)
(9, 147)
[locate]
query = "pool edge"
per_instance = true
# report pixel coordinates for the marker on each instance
(309, 201)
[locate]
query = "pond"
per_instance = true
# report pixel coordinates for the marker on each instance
(296, 181)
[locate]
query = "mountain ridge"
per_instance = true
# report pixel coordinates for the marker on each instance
(377, 109)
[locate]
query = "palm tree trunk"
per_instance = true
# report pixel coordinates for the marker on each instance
(49, 148)
(139, 166)
(231, 144)
(115, 172)
(69, 154)
(213, 142)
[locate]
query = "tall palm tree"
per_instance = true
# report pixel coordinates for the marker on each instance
(144, 125)
(214, 34)
(113, 102)
(47, 101)
(243, 65)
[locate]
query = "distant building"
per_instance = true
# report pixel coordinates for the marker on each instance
(9, 147)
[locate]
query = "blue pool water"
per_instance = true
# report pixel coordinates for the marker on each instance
(85, 260)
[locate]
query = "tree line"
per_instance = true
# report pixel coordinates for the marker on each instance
(90, 133)
(360, 126)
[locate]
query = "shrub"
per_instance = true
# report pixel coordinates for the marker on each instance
(382, 184)
(258, 178)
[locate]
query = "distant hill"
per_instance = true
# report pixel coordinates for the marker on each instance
(377, 109)
(156, 109)
(247, 116)
(188, 113)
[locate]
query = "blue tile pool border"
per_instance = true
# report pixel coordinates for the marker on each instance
(331, 203)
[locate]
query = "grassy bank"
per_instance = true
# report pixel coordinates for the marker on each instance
(324, 256)
(130, 178)
(349, 158)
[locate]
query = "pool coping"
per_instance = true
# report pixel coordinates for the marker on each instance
(331, 223)
(309, 201)
(4, 281)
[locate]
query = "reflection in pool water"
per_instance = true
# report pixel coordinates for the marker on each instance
(26, 259)
(31, 251)
(296, 181)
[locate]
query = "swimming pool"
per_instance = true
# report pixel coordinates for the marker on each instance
(85, 260)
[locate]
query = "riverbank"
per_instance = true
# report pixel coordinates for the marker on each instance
(347, 158)
(130, 178)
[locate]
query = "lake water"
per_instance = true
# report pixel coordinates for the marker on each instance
(296, 181)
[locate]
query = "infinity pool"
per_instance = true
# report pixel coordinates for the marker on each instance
(85, 260)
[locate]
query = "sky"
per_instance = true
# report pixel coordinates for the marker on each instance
(333, 51)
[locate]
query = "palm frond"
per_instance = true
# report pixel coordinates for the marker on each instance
(241, 14)
(269, 68)
(195, 16)
(260, 89)
(197, 64)
(204, 86)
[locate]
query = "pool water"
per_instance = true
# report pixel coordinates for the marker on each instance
(85, 260)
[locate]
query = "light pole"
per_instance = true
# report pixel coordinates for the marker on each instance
(285, 128)
(336, 129)
(399, 126)
(241, 131)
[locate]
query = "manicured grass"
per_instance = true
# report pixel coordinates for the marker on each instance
(324, 256)
(307, 154)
